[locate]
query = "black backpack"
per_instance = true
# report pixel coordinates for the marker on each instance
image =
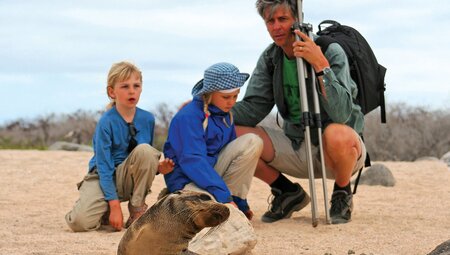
(364, 68)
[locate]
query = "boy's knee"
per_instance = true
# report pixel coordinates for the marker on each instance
(79, 223)
(146, 151)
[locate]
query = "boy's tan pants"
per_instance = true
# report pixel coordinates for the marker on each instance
(134, 177)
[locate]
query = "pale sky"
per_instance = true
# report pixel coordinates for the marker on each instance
(55, 55)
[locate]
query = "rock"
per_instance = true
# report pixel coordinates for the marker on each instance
(442, 249)
(446, 158)
(235, 236)
(66, 146)
(377, 174)
(427, 158)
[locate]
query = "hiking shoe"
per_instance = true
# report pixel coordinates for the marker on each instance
(135, 213)
(284, 204)
(105, 218)
(341, 207)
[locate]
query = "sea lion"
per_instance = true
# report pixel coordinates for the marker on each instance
(441, 249)
(169, 225)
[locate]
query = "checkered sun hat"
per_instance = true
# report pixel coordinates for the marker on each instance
(220, 77)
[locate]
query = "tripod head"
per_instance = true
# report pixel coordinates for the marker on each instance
(303, 27)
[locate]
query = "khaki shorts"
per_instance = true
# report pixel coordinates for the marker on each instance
(294, 163)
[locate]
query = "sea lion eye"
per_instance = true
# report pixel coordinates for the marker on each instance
(205, 197)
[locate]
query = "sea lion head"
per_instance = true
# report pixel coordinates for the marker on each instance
(196, 207)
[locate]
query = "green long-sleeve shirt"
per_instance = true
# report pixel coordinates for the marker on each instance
(265, 89)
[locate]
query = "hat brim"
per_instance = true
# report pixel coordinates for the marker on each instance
(239, 80)
(196, 90)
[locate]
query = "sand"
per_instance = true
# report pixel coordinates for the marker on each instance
(37, 188)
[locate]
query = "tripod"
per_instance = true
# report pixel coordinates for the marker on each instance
(309, 119)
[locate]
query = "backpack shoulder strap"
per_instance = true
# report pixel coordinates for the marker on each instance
(367, 163)
(324, 41)
(329, 22)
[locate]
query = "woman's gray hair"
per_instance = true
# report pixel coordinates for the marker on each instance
(261, 6)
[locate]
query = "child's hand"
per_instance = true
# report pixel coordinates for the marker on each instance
(166, 166)
(115, 216)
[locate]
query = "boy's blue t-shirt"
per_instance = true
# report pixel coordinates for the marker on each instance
(110, 143)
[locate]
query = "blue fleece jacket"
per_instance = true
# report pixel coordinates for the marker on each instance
(195, 150)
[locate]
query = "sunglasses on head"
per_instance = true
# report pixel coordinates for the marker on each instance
(132, 132)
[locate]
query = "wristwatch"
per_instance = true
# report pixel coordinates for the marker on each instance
(324, 71)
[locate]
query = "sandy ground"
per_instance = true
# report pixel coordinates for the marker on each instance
(37, 188)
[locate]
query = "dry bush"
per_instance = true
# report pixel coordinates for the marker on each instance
(410, 132)
(163, 114)
(42, 131)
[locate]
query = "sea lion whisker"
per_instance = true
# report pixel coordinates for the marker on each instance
(193, 214)
(212, 230)
(181, 211)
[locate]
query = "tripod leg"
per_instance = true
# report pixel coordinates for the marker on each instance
(318, 124)
(307, 134)
(302, 73)
(301, 70)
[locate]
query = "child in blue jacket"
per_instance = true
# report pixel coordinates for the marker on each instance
(202, 141)
(124, 163)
